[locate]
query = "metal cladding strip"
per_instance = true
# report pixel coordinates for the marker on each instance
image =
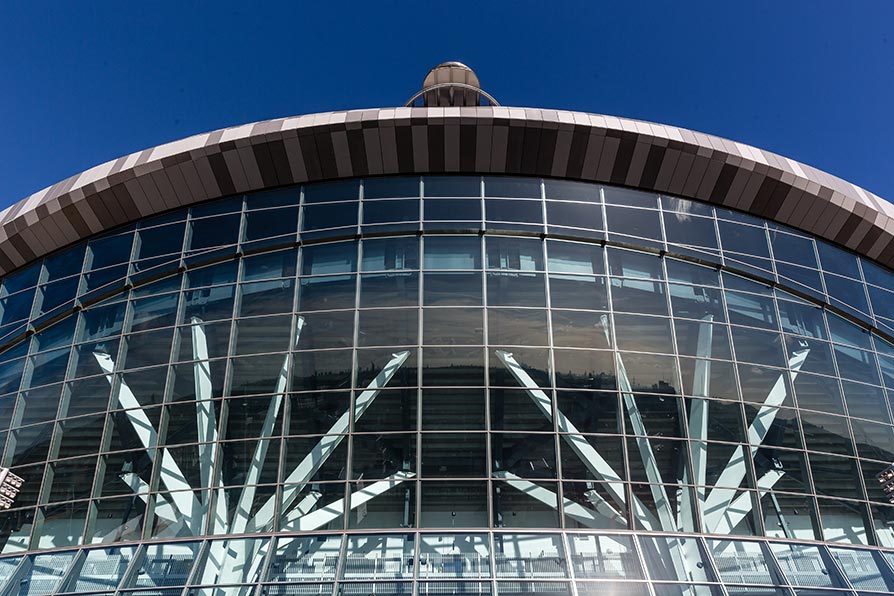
(480, 140)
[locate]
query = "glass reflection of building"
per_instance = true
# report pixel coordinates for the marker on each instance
(445, 384)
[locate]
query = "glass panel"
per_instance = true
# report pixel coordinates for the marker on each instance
(527, 212)
(165, 565)
(454, 555)
(451, 366)
(334, 215)
(379, 557)
(452, 186)
(393, 186)
(688, 231)
(388, 289)
(804, 565)
(102, 569)
(585, 369)
(342, 190)
(857, 365)
(571, 191)
(639, 296)
(603, 557)
(389, 254)
(45, 574)
(863, 570)
(454, 455)
(632, 198)
(452, 252)
(453, 504)
(391, 327)
(645, 334)
(573, 215)
(214, 231)
(109, 251)
(324, 259)
(303, 559)
(512, 187)
(835, 476)
(525, 504)
(844, 521)
(454, 210)
(674, 559)
(517, 327)
(571, 257)
(529, 556)
(633, 222)
(578, 291)
(576, 329)
(272, 223)
(451, 409)
(160, 241)
(320, 293)
(742, 562)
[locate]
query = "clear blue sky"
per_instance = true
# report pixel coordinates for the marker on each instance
(85, 82)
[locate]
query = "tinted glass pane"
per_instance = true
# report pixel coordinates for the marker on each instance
(452, 186)
(332, 191)
(376, 212)
(452, 252)
(453, 210)
(335, 215)
(574, 215)
(377, 188)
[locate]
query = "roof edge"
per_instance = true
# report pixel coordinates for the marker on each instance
(483, 140)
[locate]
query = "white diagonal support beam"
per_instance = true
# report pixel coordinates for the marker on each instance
(573, 510)
(229, 562)
(591, 458)
(697, 426)
(742, 505)
(318, 455)
(164, 508)
(733, 473)
(701, 389)
(206, 424)
(184, 500)
(246, 498)
(328, 513)
(650, 464)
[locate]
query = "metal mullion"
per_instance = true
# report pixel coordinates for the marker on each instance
(198, 568)
(287, 405)
(73, 572)
(640, 555)
(490, 485)
(696, 510)
(861, 482)
(750, 472)
(340, 563)
(795, 406)
(419, 363)
(359, 226)
(865, 284)
(628, 489)
(132, 569)
(264, 569)
(775, 273)
(352, 400)
(551, 362)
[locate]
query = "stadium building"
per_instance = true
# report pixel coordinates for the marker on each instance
(447, 348)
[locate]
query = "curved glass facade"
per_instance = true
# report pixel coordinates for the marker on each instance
(448, 385)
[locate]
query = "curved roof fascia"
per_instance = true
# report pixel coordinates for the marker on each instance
(485, 140)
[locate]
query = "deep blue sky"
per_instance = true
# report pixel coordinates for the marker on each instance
(85, 82)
